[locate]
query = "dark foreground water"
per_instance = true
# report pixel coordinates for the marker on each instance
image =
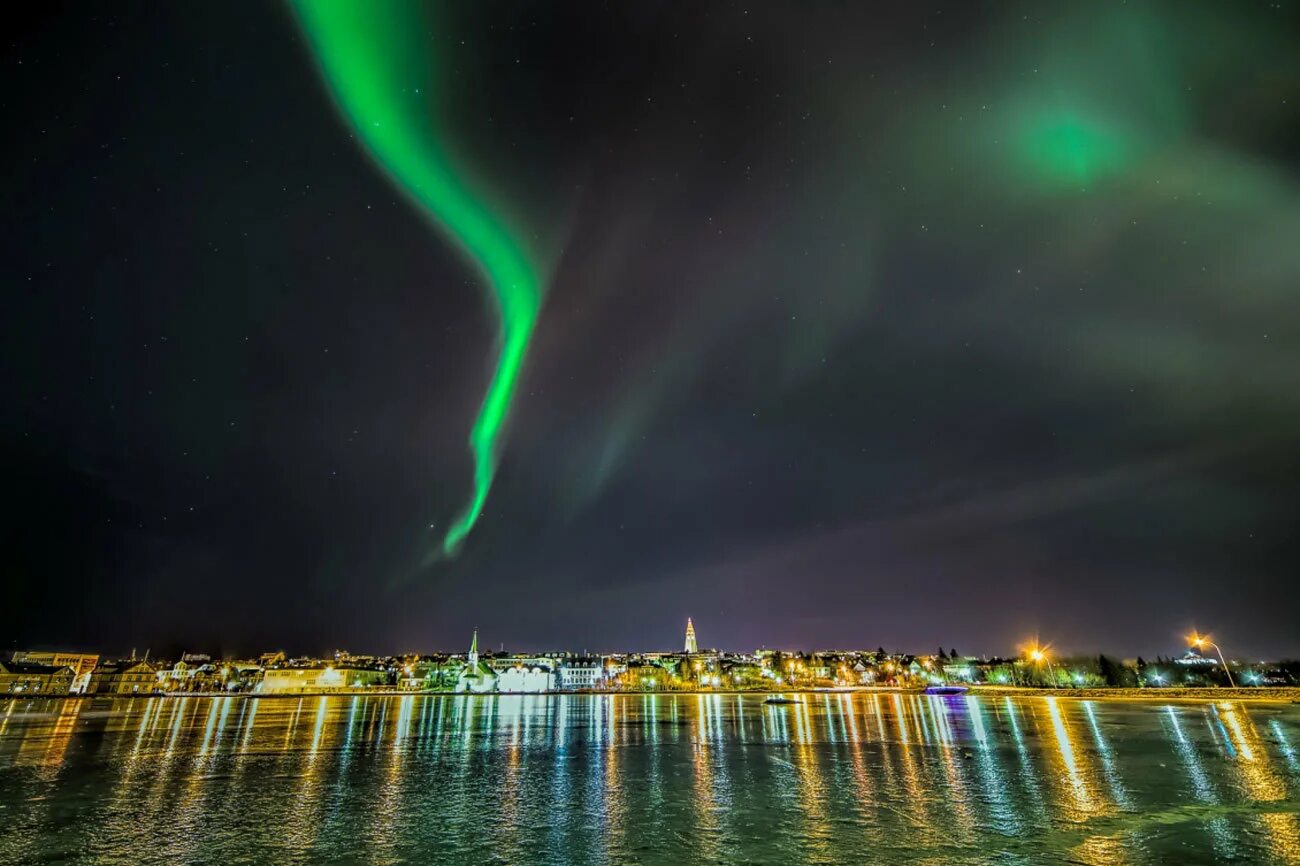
(867, 778)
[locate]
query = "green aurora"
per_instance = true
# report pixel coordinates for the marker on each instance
(379, 73)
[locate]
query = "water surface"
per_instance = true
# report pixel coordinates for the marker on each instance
(647, 779)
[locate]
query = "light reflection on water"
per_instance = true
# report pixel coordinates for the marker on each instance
(673, 779)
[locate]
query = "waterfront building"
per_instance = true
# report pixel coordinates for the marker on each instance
(582, 672)
(321, 678)
(426, 673)
(415, 674)
(129, 677)
(31, 678)
(691, 645)
(526, 676)
(81, 663)
(646, 674)
(477, 676)
(193, 673)
(243, 676)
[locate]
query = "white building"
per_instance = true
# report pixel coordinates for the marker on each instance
(1194, 659)
(581, 673)
(526, 678)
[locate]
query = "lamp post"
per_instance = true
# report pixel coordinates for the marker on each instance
(1037, 655)
(1201, 641)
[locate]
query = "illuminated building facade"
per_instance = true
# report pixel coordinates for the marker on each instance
(526, 677)
(81, 663)
(191, 673)
(35, 679)
(129, 677)
(321, 679)
(581, 673)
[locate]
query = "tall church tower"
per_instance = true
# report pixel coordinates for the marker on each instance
(691, 645)
(473, 654)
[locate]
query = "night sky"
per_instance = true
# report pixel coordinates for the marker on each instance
(861, 325)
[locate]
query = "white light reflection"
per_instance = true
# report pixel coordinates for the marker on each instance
(1220, 830)
(1107, 757)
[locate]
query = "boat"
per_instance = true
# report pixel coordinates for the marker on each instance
(780, 700)
(945, 690)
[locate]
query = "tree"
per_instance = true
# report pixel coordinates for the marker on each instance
(1109, 671)
(1117, 674)
(776, 663)
(952, 654)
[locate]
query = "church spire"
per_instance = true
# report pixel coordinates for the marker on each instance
(691, 645)
(473, 652)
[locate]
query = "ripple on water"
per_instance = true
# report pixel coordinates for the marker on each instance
(625, 779)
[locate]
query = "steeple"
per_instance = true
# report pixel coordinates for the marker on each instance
(691, 645)
(473, 652)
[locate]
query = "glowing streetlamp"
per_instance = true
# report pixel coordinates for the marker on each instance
(1200, 641)
(1038, 655)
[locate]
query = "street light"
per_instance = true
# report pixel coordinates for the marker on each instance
(1200, 641)
(1037, 655)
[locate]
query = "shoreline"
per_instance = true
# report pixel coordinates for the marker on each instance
(1254, 694)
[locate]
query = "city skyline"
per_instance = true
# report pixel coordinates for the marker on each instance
(1189, 640)
(1034, 665)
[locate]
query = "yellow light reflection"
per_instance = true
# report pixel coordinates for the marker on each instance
(614, 799)
(954, 767)
(913, 785)
(1084, 799)
(65, 724)
(864, 794)
(706, 808)
(1262, 783)
(811, 790)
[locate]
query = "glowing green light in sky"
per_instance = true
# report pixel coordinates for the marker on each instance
(1071, 146)
(376, 60)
